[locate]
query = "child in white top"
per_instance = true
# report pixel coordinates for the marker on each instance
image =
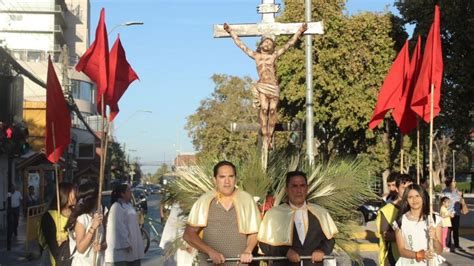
(446, 218)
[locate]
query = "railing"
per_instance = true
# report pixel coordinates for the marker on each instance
(58, 28)
(33, 216)
(30, 7)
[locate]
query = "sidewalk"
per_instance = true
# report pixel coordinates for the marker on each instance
(18, 255)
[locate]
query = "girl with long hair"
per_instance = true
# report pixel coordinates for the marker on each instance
(413, 229)
(124, 239)
(56, 241)
(84, 223)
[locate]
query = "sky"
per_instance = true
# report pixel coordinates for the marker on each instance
(175, 55)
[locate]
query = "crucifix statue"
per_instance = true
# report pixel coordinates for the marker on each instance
(266, 90)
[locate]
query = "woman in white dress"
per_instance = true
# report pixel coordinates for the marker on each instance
(412, 230)
(124, 238)
(83, 225)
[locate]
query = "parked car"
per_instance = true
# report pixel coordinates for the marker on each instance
(140, 198)
(155, 189)
(369, 210)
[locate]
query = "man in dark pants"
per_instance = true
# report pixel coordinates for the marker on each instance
(297, 228)
(15, 203)
(456, 200)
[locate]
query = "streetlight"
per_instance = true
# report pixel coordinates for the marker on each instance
(126, 24)
(130, 117)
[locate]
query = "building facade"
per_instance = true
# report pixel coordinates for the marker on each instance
(31, 31)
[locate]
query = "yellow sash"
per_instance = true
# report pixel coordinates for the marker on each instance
(62, 236)
(248, 215)
(277, 225)
(390, 212)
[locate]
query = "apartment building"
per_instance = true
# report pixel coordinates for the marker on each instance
(30, 31)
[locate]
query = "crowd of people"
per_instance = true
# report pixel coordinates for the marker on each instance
(406, 228)
(226, 223)
(79, 234)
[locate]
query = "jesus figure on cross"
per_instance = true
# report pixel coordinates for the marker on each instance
(266, 90)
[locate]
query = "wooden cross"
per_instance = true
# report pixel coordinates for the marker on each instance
(267, 27)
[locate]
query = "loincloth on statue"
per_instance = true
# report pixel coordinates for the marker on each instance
(270, 91)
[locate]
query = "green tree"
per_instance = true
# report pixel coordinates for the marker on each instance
(209, 127)
(119, 167)
(350, 62)
(137, 172)
(457, 31)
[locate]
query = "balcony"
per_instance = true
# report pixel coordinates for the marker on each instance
(56, 29)
(31, 8)
(59, 35)
(35, 8)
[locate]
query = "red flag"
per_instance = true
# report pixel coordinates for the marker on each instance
(58, 118)
(95, 61)
(431, 73)
(121, 75)
(403, 115)
(392, 88)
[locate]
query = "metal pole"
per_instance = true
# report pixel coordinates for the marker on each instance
(309, 87)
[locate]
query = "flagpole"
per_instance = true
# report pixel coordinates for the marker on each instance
(56, 171)
(431, 246)
(401, 154)
(418, 151)
(101, 172)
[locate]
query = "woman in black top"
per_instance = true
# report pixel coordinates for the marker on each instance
(57, 244)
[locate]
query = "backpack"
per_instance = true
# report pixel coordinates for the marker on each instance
(64, 254)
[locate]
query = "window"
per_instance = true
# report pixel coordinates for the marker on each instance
(86, 150)
(83, 90)
(34, 56)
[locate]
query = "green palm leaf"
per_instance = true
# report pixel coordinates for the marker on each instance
(340, 186)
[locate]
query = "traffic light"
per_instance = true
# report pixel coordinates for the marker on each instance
(9, 133)
(297, 133)
(14, 140)
(295, 138)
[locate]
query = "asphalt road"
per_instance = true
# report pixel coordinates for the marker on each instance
(154, 256)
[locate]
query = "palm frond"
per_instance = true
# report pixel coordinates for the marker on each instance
(340, 186)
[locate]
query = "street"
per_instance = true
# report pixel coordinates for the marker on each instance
(154, 256)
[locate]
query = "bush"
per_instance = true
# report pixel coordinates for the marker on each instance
(465, 187)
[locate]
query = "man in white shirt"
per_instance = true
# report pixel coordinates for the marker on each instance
(297, 228)
(15, 203)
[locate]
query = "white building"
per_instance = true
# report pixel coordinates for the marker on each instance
(33, 29)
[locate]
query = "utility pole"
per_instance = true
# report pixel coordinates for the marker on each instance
(67, 89)
(309, 87)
